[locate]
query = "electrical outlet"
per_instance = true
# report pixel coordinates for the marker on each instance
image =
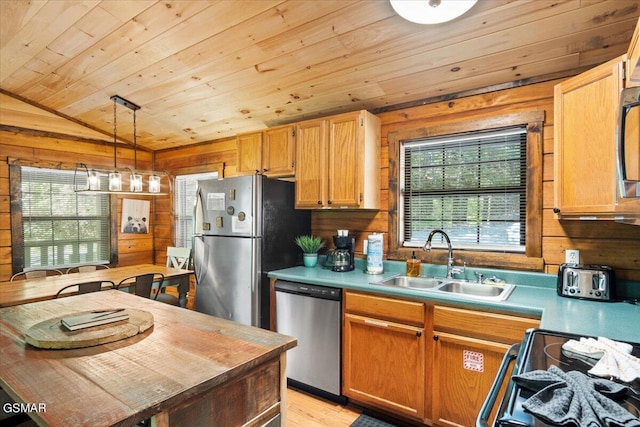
(572, 256)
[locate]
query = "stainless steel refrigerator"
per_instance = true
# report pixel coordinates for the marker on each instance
(244, 227)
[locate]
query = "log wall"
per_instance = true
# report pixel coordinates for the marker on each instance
(599, 242)
(132, 248)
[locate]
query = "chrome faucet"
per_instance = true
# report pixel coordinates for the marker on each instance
(451, 270)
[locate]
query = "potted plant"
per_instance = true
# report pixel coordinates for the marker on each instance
(310, 246)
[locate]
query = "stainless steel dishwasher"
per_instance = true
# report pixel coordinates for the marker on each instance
(311, 314)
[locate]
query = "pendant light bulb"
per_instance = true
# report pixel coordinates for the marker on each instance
(154, 184)
(115, 181)
(94, 181)
(136, 182)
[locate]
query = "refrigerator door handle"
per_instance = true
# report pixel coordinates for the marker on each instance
(197, 212)
(256, 272)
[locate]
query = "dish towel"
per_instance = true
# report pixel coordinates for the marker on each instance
(615, 357)
(574, 399)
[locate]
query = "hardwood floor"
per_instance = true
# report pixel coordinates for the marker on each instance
(305, 410)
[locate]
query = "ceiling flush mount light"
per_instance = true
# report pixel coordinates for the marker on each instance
(431, 11)
(115, 176)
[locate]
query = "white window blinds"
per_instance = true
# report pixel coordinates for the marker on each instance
(473, 186)
(61, 227)
(184, 201)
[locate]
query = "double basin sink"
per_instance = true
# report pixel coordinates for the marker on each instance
(480, 291)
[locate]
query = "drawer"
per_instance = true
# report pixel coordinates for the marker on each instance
(401, 311)
(501, 328)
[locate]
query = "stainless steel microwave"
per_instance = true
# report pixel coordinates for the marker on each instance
(628, 137)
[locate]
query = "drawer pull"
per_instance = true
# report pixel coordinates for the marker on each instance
(376, 323)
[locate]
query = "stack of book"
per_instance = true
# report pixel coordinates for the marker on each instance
(95, 318)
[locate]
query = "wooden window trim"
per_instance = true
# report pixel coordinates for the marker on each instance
(532, 258)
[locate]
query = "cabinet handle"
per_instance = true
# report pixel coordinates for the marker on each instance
(265, 170)
(319, 202)
(418, 334)
(435, 338)
(329, 201)
(556, 210)
(376, 323)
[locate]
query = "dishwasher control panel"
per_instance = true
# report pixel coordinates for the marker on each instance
(315, 291)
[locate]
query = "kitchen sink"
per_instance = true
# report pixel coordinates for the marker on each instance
(460, 288)
(497, 292)
(411, 282)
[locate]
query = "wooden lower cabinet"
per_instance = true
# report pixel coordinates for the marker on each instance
(463, 371)
(426, 363)
(468, 348)
(384, 354)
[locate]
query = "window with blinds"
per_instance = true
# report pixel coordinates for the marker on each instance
(185, 187)
(61, 227)
(472, 186)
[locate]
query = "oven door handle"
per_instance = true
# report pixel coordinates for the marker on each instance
(487, 406)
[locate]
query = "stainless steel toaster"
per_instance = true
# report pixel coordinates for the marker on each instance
(597, 282)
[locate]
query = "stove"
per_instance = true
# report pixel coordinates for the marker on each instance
(539, 350)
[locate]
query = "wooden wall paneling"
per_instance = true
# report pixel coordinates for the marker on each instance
(360, 224)
(55, 152)
(597, 251)
(618, 241)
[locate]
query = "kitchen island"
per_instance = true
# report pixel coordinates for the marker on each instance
(183, 371)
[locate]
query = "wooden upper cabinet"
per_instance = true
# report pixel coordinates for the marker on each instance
(270, 152)
(585, 123)
(311, 158)
(338, 162)
(249, 153)
(278, 151)
(633, 59)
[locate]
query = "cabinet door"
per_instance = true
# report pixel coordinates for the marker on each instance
(278, 152)
(249, 153)
(383, 364)
(463, 372)
(345, 160)
(311, 160)
(586, 114)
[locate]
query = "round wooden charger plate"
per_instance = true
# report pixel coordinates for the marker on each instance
(51, 334)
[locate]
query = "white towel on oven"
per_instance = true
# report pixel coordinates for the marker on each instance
(615, 359)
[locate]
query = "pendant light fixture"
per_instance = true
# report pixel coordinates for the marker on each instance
(431, 11)
(116, 175)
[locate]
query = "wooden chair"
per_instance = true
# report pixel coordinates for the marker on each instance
(176, 258)
(142, 284)
(33, 274)
(87, 287)
(86, 268)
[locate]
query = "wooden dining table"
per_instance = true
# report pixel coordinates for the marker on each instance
(187, 369)
(45, 288)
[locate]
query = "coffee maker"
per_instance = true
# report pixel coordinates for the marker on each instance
(343, 255)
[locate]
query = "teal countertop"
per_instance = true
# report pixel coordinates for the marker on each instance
(535, 294)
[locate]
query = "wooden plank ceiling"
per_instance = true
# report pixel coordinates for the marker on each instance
(204, 70)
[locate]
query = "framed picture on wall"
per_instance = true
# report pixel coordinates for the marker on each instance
(135, 216)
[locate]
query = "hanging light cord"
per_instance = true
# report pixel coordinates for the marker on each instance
(115, 164)
(135, 148)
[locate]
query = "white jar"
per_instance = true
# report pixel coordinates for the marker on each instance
(375, 245)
